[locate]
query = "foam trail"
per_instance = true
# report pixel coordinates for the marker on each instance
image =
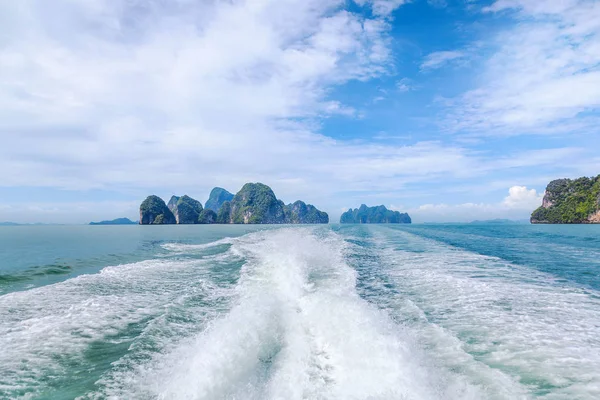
(299, 331)
(186, 248)
(489, 318)
(47, 330)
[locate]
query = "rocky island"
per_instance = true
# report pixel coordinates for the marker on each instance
(570, 201)
(154, 211)
(185, 209)
(374, 215)
(217, 197)
(255, 203)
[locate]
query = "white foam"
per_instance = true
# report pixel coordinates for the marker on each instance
(454, 325)
(42, 328)
(494, 319)
(188, 248)
(298, 331)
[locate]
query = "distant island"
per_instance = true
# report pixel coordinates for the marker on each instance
(255, 203)
(570, 201)
(374, 215)
(217, 197)
(118, 221)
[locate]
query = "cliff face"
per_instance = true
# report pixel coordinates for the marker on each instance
(302, 213)
(217, 197)
(570, 201)
(185, 209)
(154, 211)
(256, 203)
(173, 203)
(374, 215)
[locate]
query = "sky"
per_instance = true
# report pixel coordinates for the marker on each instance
(450, 110)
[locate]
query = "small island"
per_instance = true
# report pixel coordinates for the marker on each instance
(118, 221)
(374, 215)
(255, 203)
(570, 201)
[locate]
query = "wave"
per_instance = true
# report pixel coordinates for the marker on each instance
(298, 330)
(186, 248)
(305, 313)
(47, 332)
(510, 327)
(35, 272)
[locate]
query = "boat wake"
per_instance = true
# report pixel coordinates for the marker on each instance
(302, 313)
(298, 330)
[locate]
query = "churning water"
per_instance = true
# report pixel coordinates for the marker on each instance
(308, 312)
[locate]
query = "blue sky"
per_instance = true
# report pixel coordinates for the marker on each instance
(452, 110)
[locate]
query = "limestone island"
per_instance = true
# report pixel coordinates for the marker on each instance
(374, 215)
(255, 203)
(570, 201)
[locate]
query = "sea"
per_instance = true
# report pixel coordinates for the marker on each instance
(465, 311)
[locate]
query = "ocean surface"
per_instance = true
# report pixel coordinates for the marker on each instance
(304, 312)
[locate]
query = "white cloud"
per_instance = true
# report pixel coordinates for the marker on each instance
(382, 7)
(439, 59)
(518, 205)
(405, 85)
(519, 197)
(167, 94)
(532, 6)
(543, 78)
(181, 96)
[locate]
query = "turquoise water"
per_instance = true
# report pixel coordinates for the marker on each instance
(304, 312)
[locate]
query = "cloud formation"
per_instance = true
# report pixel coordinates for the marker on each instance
(519, 197)
(518, 205)
(439, 59)
(136, 97)
(543, 78)
(147, 94)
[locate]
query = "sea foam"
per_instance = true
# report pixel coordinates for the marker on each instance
(516, 330)
(299, 330)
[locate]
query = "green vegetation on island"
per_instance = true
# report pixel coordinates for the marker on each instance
(154, 211)
(118, 221)
(255, 203)
(570, 201)
(302, 213)
(374, 215)
(207, 216)
(224, 213)
(185, 209)
(217, 197)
